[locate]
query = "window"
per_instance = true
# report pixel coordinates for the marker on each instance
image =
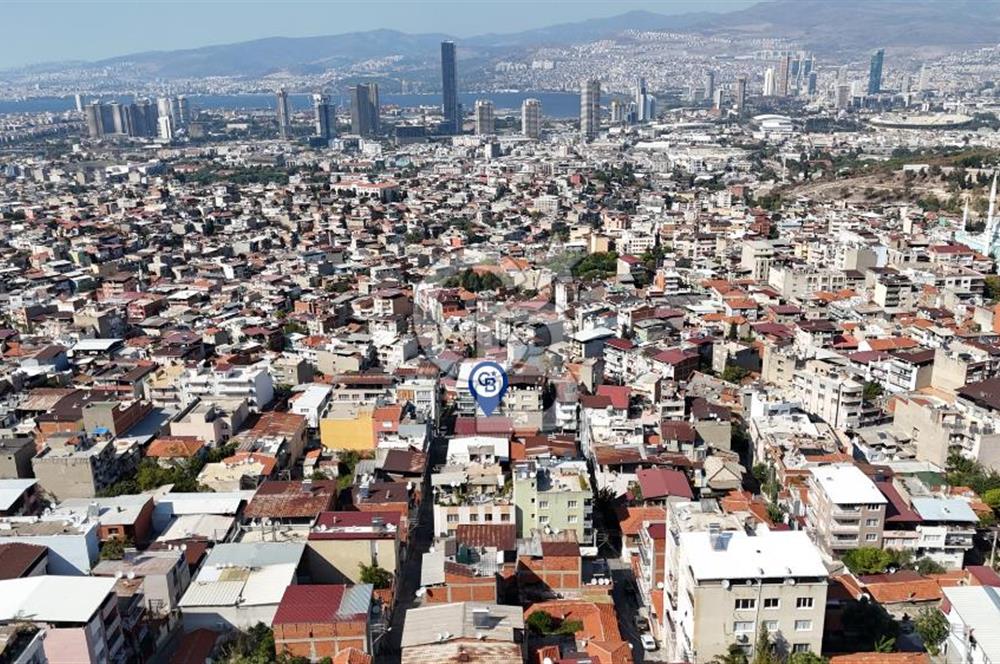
(543, 504)
(746, 604)
(803, 625)
(771, 626)
(488, 516)
(800, 647)
(771, 602)
(505, 516)
(571, 504)
(743, 626)
(803, 602)
(452, 518)
(572, 518)
(873, 508)
(871, 523)
(543, 518)
(473, 518)
(871, 537)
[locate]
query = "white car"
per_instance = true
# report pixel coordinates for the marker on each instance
(648, 642)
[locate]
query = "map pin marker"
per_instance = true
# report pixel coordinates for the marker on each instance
(488, 383)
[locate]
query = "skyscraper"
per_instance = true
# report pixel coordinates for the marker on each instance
(741, 94)
(78, 98)
(531, 118)
(640, 99)
(590, 108)
(769, 82)
(875, 72)
(284, 115)
(326, 117)
(485, 121)
(163, 108)
(449, 87)
(618, 111)
(166, 126)
(92, 113)
(710, 85)
(365, 109)
(924, 80)
(183, 111)
(781, 82)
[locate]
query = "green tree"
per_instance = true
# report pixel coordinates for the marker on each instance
(734, 655)
(991, 292)
(763, 649)
(806, 658)
(733, 373)
(933, 628)
(927, 566)
(375, 575)
(540, 622)
(871, 391)
(868, 625)
(992, 498)
(867, 560)
(114, 549)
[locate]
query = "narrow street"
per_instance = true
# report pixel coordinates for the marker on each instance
(388, 649)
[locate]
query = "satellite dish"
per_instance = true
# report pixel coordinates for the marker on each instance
(726, 584)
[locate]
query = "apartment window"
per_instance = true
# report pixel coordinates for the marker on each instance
(505, 516)
(571, 504)
(803, 602)
(543, 518)
(452, 518)
(746, 604)
(871, 537)
(572, 518)
(488, 516)
(543, 504)
(803, 625)
(743, 626)
(771, 626)
(800, 647)
(874, 507)
(871, 523)
(771, 602)
(473, 518)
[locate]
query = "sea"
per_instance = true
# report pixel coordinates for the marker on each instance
(557, 105)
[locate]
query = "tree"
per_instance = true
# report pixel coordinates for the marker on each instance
(763, 650)
(867, 560)
(733, 373)
(927, 566)
(991, 292)
(933, 628)
(871, 392)
(114, 549)
(540, 623)
(376, 576)
(734, 655)
(869, 626)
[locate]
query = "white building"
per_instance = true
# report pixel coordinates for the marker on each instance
(973, 615)
(485, 119)
(531, 118)
(253, 383)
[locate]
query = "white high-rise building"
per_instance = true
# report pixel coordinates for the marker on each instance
(284, 114)
(166, 127)
(769, 82)
(590, 108)
(163, 107)
(485, 120)
(531, 118)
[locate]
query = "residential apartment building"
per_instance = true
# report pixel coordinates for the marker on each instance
(732, 583)
(846, 510)
(828, 393)
(554, 497)
(253, 383)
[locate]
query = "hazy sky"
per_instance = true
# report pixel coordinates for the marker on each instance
(34, 31)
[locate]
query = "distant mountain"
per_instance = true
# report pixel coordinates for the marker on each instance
(830, 26)
(824, 26)
(273, 54)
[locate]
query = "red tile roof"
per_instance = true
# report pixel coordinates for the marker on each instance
(663, 483)
(315, 604)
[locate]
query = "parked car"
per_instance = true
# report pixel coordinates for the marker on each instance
(648, 642)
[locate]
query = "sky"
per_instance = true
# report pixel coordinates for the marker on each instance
(33, 31)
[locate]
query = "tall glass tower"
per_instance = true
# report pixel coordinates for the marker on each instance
(449, 85)
(875, 72)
